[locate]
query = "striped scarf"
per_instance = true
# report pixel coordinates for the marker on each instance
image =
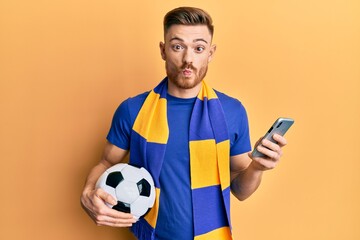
(209, 161)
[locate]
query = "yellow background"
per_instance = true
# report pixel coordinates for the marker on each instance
(66, 65)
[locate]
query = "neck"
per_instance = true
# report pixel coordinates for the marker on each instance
(175, 91)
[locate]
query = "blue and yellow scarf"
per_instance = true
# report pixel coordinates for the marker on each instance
(209, 161)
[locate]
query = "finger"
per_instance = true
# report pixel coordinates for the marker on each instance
(101, 209)
(102, 214)
(117, 214)
(266, 164)
(270, 154)
(258, 141)
(271, 146)
(109, 199)
(263, 164)
(115, 222)
(105, 197)
(110, 217)
(280, 140)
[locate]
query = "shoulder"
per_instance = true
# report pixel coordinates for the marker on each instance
(132, 105)
(237, 121)
(128, 109)
(230, 103)
(123, 119)
(137, 100)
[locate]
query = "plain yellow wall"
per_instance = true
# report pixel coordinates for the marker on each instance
(66, 65)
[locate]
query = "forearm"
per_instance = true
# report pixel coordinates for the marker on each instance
(112, 155)
(246, 182)
(93, 200)
(94, 175)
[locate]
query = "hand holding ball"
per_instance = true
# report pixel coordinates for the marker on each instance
(132, 187)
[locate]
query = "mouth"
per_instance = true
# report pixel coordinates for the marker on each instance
(187, 72)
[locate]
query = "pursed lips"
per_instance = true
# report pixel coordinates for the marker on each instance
(187, 71)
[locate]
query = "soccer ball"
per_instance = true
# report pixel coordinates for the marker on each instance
(132, 187)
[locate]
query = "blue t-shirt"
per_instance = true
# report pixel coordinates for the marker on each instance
(175, 219)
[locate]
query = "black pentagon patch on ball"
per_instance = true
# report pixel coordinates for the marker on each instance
(122, 207)
(114, 178)
(144, 188)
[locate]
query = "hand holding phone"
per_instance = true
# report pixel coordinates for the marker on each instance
(280, 126)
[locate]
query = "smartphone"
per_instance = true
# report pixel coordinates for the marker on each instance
(280, 126)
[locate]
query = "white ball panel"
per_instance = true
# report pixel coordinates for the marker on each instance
(140, 206)
(131, 173)
(127, 191)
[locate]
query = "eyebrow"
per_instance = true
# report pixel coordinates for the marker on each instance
(182, 40)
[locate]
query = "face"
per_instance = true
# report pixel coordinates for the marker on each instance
(187, 52)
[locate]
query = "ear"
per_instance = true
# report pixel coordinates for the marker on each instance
(211, 52)
(162, 50)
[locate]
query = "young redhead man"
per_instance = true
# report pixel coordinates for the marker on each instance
(193, 140)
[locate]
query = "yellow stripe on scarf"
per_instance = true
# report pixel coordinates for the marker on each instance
(204, 170)
(152, 215)
(223, 151)
(154, 113)
(207, 92)
(223, 233)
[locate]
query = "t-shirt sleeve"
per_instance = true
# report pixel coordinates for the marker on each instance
(120, 130)
(239, 129)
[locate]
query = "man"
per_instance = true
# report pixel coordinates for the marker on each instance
(192, 139)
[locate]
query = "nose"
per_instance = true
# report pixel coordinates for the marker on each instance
(188, 56)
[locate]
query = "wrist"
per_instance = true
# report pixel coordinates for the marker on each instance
(87, 189)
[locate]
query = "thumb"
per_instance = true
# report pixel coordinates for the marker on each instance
(105, 196)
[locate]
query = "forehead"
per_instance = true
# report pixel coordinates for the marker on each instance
(188, 32)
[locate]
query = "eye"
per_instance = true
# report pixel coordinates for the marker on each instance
(199, 49)
(177, 47)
